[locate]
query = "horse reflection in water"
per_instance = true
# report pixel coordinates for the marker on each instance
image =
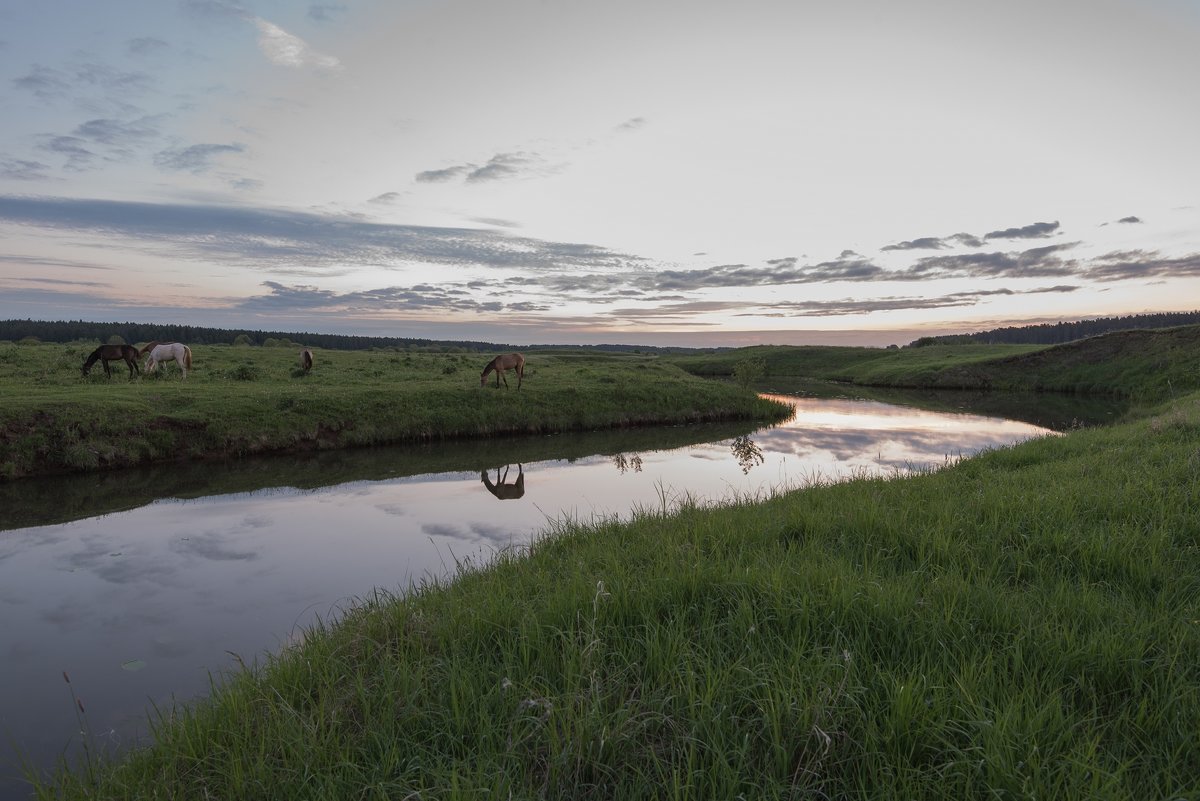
(500, 487)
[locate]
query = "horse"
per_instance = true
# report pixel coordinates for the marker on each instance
(501, 364)
(111, 353)
(306, 360)
(501, 488)
(165, 352)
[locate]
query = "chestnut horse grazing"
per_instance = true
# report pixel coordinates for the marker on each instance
(306, 360)
(168, 351)
(501, 364)
(111, 353)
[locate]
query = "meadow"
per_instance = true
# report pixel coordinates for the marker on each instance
(1018, 625)
(1145, 364)
(241, 400)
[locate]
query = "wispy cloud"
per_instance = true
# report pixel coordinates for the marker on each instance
(937, 243)
(45, 83)
(275, 239)
(1037, 230)
(287, 50)
(281, 48)
(502, 166)
(1142, 264)
(194, 158)
(72, 148)
(420, 298)
(23, 170)
(146, 46)
(326, 12)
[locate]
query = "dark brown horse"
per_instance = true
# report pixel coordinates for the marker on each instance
(501, 488)
(306, 360)
(501, 364)
(112, 353)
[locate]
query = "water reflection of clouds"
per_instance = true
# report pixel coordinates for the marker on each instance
(212, 546)
(474, 534)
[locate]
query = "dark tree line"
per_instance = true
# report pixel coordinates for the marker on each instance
(1058, 333)
(80, 330)
(132, 333)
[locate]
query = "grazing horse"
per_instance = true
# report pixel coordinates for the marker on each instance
(501, 488)
(501, 364)
(111, 353)
(168, 351)
(306, 360)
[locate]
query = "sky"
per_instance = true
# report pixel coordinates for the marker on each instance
(665, 172)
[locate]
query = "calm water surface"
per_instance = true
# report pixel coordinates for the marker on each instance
(142, 584)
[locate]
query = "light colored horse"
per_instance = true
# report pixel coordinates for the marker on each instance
(501, 364)
(166, 352)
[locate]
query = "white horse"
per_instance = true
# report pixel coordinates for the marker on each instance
(166, 352)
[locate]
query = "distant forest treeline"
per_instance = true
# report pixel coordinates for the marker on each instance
(132, 333)
(1057, 333)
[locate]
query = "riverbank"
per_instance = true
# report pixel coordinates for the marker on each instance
(1017, 625)
(238, 401)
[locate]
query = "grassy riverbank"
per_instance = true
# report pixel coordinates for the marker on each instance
(246, 400)
(1146, 364)
(1019, 625)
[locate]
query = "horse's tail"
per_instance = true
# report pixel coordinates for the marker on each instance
(187, 356)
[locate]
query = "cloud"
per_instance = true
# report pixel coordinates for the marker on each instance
(215, 9)
(1141, 264)
(111, 131)
(423, 297)
(446, 174)
(632, 124)
(386, 198)
(78, 157)
(196, 158)
(287, 50)
(1034, 231)
(23, 170)
(278, 239)
(326, 13)
(1032, 263)
(146, 46)
(937, 243)
(502, 166)
(1130, 219)
(44, 82)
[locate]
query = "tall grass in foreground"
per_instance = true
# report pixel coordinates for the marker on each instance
(1019, 625)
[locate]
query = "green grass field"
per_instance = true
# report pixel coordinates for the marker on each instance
(1023, 624)
(1148, 364)
(246, 400)
(1020, 625)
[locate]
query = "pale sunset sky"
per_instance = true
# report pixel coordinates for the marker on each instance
(684, 172)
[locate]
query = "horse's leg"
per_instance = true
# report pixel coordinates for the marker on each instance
(520, 374)
(107, 372)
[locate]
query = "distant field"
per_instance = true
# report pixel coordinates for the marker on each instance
(244, 399)
(1148, 364)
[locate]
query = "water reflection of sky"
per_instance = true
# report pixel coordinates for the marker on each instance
(181, 585)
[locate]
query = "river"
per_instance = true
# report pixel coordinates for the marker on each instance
(141, 585)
